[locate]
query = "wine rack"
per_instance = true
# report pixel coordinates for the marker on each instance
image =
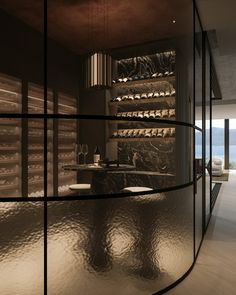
(67, 143)
(36, 142)
(143, 90)
(10, 131)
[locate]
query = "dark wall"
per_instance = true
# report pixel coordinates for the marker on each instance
(22, 56)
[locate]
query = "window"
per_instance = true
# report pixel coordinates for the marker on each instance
(218, 150)
(232, 143)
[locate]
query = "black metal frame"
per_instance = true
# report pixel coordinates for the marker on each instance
(226, 143)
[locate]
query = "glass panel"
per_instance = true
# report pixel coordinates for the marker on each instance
(21, 248)
(207, 136)
(198, 134)
(137, 243)
(218, 135)
(232, 143)
(198, 73)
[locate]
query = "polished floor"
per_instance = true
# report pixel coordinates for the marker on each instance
(215, 269)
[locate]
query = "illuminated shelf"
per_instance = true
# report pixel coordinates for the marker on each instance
(10, 174)
(9, 148)
(35, 182)
(142, 122)
(10, 122)
(32, 171)
(66, 148)
(36, 148)
(36, 160)
(10, 161)
(160, 139)
(142, 101)
(144, 81)
(9, 187)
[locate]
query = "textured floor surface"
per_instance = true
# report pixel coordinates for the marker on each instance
(215, 269)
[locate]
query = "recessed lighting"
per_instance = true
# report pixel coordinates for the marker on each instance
(173, 21)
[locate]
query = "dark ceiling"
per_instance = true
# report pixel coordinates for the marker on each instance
(87, 25)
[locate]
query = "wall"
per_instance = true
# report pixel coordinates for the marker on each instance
(21, 55)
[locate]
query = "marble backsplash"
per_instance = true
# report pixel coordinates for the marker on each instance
(154, 162)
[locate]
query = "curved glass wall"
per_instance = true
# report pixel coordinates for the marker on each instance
(22, 251)
(123, 245)
(199, 180)
(207, 155)
(120, 198)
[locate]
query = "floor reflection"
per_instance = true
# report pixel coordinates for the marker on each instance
(116, 245)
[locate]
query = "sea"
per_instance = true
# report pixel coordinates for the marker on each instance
(218, 151)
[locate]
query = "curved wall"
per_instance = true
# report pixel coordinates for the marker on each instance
(118, 245)
(134, 245)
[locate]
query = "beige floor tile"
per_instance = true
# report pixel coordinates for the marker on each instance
(215, 268)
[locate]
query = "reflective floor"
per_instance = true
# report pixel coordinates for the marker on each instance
(128, 246)
(215, 268)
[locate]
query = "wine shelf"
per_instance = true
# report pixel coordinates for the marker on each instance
(142, 101)
(12, 174)
(10, 132)
(13, 122)
(140, 106)
(160, 139)
(12, 161)
(36, 140)
(36, 182)
(67, 132)
(144, 81)
(9, 187)
(35, 149)
(9, 148)
(113, 122)
(66, 148)
(35, 171)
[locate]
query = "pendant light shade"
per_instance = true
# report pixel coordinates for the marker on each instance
(99, 71)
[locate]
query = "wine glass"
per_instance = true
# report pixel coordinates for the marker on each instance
(79, 151)
(84, 152)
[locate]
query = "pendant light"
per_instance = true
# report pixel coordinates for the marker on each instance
(99, 70)
(99, 64)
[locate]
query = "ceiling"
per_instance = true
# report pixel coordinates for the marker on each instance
(219, 15)
(88, 25)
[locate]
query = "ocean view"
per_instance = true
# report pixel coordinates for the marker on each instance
(218, 151)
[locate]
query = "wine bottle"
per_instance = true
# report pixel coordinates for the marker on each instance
(96, 155)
